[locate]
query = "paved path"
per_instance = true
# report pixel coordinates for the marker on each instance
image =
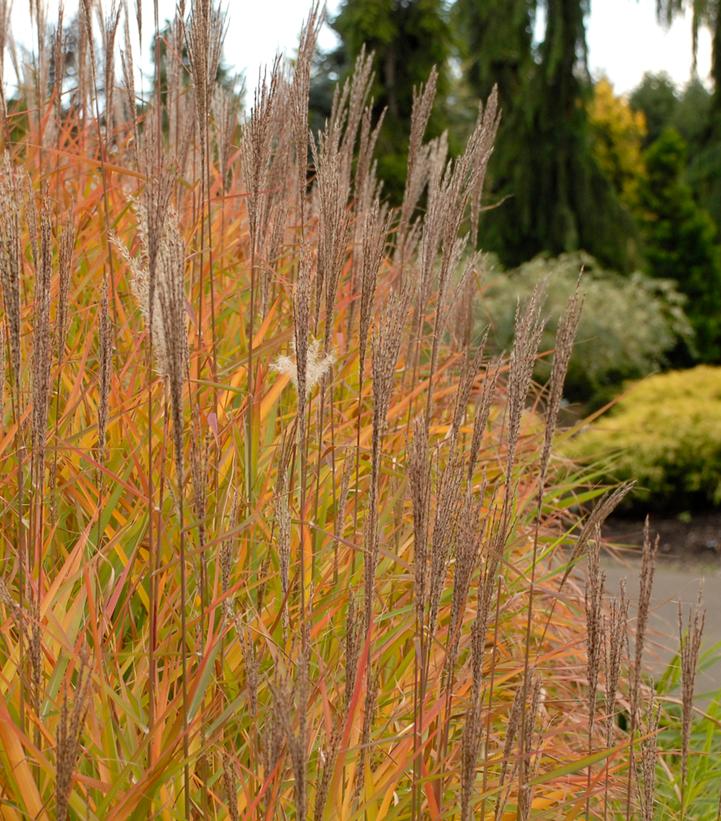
(674, 581)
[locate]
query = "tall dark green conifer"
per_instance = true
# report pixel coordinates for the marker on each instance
(495, 40)
(408, 38)
(656, 98)
(554, 197)
(705, 168)
(679, 240)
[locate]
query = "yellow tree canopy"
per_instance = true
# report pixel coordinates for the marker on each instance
(618, 134)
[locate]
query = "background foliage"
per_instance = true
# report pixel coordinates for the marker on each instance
(629, 325)
(664, 434)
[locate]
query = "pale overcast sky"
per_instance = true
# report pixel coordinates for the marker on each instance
(623, 37)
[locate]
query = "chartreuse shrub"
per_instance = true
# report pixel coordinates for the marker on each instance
(628, 326)
(664, 433)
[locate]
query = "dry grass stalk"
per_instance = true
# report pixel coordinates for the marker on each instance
(65, 262)
(3, 371)
(297, 742)
(562, 350)
(365, 169)
(199, 465)
(41, 362)
(375, 225)
(182, 107)
(40, 63)
(515, 717)
(595, 581)
(449, 506)
(226, 560)
(353, 638)
(204, 42)
(490, 118)
(423, 100)
(199, 471)
(42, 344)
(333, 154)
(225, 118)
(471, 535)
(529, 325)
(595, 519)
(690, 634)
(334, 224)
(472, 364)
(172, 348)
(154, 208)
(250, 662)
(11, 264)
(419, 483)
(473, 729)
(128, 69)
(648, 566)
(298, 107)
(372, 227)
(369, 707)
(339, 521)
(68, 736)
(329, 758)
(256, 166)
(482, 414)
(11, 267)
(230, 782)
(616, 633)
(105, 368)
(109, 29)
(56, 71)
(354, 112)
(528, 329)
(386, 347)
(282, 520)
(171, 299)
(649, 758)
(420, 487)
(529, 761)
(5, 9)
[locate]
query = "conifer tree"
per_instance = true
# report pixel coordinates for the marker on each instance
(495, 40)
(655, 97)
(706, 165)
(679, 241)
(554, 196)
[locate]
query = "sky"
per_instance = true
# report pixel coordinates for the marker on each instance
(623, 37)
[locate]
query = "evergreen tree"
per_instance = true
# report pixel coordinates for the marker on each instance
(495, 44)
(655, 97)
(408, 38)
(495, 39)
(705, 168)
(704, 13)
(679, 240)
(692, 114)
(554, 196)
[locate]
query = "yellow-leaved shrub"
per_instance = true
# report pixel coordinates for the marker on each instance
(664, 433)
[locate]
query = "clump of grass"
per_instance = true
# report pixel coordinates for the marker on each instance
(240, 644)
